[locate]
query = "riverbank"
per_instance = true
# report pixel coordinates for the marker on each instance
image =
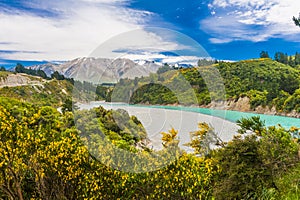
(157, 120)
(243, 105)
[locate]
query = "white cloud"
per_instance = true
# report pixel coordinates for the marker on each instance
(79, 29)
(164, 59)
(149, 43)
(140, 42)
(219, 40)
(183, 59)
(253, 20)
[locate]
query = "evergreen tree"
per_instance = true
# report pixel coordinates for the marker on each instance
(57, 76)
(264, 54)
(19, 68)
(281, 57)
(297, 58)
(297, 20)
(205, 62)
(41, 73)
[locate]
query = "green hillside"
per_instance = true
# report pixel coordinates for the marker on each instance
(41, 91)
(264, 81)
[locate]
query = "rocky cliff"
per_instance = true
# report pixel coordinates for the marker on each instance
(243, 105)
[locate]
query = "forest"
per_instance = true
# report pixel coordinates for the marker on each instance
(264, 81)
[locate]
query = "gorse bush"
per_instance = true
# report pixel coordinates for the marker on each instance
(44, 155)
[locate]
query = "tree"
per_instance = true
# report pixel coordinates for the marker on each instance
(69, 106)
(206, 62)
(36, 145)
(57, 76)
(264, 54)
(164, 68)
(253, 124)
(41, 73)
(203, 139)
(296, 20)
(136, 81)
(297, 58)
(281, 57)
(242, 174)
(2, 68)
(102, 91)
(19, 68)
(251, 164)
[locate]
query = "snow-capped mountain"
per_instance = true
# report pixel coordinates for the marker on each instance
(100, 70)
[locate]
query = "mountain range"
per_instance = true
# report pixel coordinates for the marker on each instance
(99, 70)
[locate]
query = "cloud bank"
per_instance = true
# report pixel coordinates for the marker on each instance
(251, 20)
(73, 29)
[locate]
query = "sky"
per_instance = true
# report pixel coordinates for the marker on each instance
(38, 31)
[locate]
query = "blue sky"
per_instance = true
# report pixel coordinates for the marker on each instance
(39, 30)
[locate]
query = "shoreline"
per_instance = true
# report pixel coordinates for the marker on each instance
(227, 106)
(157, 120)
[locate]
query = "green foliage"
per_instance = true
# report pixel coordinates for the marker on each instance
(21, 69)
(56, 75)
(296, 20)
(154, 94)
(281, 57)
(121, 129)
(4, 74)
(264, 81)
(30, 141)
(69, 106)
(264, 54)
(265, 75)
(297, 59)
(253, 124)
(102, 91)
(204, 139)
(206, 62)
(241, 169)
(292, 102)
(43, 156)
(50, 92)
(291, 60)
(164, 69)
(251, 165)
(288, 184)
(257, 98)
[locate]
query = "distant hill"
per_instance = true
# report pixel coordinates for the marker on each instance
(261, 85)
(8, 79)
(99, 70)
(40, 91)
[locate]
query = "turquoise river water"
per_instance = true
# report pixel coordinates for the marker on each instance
(233, 116)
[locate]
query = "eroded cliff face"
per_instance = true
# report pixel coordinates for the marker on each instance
(243, 105)
(14, 80)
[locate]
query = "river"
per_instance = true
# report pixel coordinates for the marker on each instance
(157, 119)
